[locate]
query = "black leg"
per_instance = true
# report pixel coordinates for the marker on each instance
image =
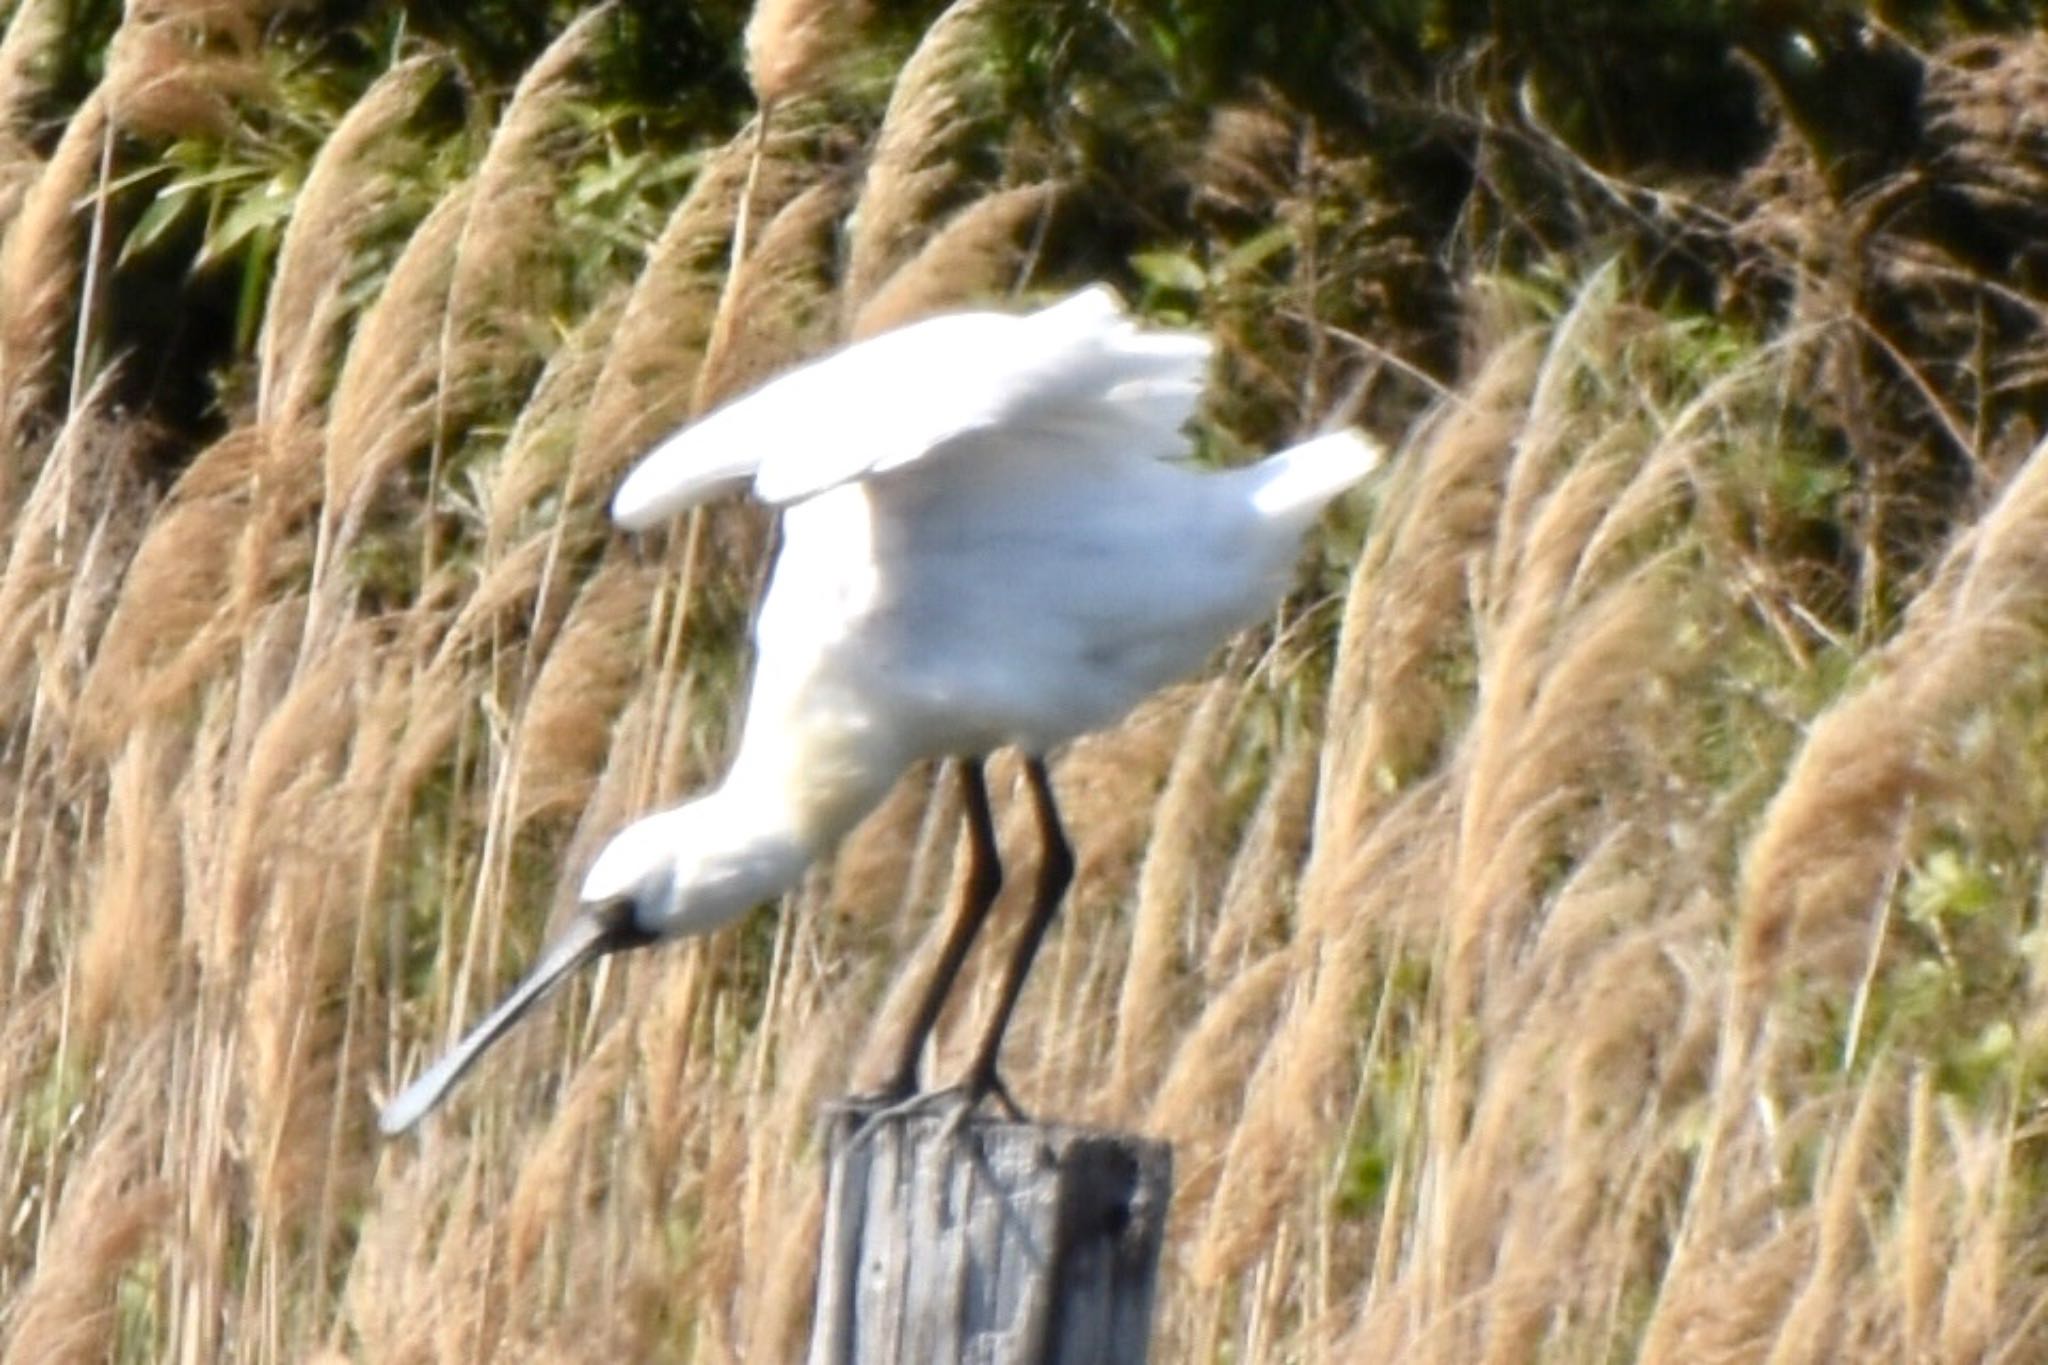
(984, 879)
(1055, 871)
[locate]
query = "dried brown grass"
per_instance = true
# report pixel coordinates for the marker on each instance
(34, 29)
(216, 554)
(175, 67)
(914, 176)
(1173, 879)
(350, 193)
(653, 368)
(71, 534)
(126, 964)
(794, 47)
(987, 249)
(387, 398)
(114, 1207)
(1886, 754)
(42, 273)
(502, 282)
(777, 306)
(1488, 970)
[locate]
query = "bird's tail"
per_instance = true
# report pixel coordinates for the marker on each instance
(1295, 484)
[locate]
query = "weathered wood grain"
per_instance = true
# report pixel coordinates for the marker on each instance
(994, 1244)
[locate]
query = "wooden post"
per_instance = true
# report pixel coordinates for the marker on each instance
(996, 1244)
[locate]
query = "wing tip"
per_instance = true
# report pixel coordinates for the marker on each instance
(1302, 478)
(673, 478)
(635, 506)
(1089, 303)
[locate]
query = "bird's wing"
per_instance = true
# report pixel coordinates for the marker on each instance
(899, 397)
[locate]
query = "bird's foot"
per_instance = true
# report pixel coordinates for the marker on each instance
(884, 1108)
(983, 1082)
(894, 1098)
(889, 1095)
(956, 1104)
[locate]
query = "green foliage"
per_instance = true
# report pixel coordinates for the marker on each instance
(1383, 1123)
(1361, 200)
(617, 202)
(677, 63)
(219, 205)
(1113, 93)
(198, 219)
(1956, 990)
(138, 1310)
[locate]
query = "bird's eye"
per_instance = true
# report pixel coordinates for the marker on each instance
(622, 925)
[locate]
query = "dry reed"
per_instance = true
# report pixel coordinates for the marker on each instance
(795, 46)
(776, 308)
(349, 195)
(126, 969)
(42, 269)
(988, 248)
(174, 67)
(1536, 984)
(1173, 882)
(114, 1208)
(913, 177)
(652, 368)
(213, 554)
(386, 396)
(34, 29)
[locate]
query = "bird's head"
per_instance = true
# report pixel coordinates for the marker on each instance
(681, 871)
(692, 869)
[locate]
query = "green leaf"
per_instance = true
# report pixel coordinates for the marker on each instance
(1170, 270)
(155, 223)
(263, 213)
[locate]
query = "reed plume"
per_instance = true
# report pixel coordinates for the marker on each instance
(43, 298)
(777, 305)
(988, 248)
(651, 370)
(175, 67)
(914, 177)
(795, 46)
(351, 193)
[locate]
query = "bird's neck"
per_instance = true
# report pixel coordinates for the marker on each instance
(749, 839)
(821, 773)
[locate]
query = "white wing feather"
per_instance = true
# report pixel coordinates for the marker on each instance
(899, 397)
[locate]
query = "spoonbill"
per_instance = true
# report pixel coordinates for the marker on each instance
(990, 537)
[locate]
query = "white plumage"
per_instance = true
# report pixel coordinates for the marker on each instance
(989, 538)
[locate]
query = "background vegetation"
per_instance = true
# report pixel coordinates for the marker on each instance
(1600, 918)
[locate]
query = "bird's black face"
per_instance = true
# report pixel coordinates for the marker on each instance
(619, 926)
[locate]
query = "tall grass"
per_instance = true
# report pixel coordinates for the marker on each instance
(1599, 917)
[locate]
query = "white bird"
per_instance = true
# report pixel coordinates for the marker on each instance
(989, 537)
